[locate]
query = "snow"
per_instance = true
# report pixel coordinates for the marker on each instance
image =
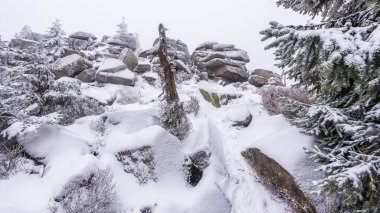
(228, 185)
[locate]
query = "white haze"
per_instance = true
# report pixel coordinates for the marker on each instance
(238, 22)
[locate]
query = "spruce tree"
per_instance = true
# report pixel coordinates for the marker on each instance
(122, 32)
(55, 41)
(339, 61)
(25, 33)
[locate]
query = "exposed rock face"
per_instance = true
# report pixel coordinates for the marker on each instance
(143, 67)
(129, 58)
(221, 60)
(278, 180)
(22, 44)
(150, 77)
(87, 75)
(211, 97)
(261, 77)
(70, 65)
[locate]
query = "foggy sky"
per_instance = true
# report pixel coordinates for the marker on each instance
(192, 21)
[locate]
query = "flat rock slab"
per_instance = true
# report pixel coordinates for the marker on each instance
(70, 65)
(124, 77)
(112, 65)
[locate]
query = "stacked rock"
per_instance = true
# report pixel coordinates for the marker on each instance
(221, 60)
(81, 41)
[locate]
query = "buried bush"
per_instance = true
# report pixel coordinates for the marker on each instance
(271, 97)
(91, 193)
(173, 118)
(192, 106)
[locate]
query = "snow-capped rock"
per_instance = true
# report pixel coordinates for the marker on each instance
(111, 65)
(123, 77)
(129, 58)
(83, 36)
(261, 77)
(70, 65)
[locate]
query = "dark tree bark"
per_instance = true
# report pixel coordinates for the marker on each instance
(169, 82)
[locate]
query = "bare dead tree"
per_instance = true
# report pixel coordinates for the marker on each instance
(169, 82)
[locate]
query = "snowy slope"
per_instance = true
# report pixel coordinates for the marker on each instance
(228, 184)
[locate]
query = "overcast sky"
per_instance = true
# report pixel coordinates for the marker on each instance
(193, 21)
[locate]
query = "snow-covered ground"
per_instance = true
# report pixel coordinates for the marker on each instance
(228, 184)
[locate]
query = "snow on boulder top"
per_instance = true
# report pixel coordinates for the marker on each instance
(206, 45)
(83, 36)
(112, 65)
(238, 114)
(70, 59)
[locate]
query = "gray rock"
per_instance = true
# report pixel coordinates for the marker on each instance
(79, 44)
(218, 62)
(243, 123)
(257, 81)
(261, 77)
(265, 73)
(234, 74)
(105, 38)
(70, 65)
(22, 44)
(112, 65)
(129, 58)
(177, 50)
(129, 41)
(239, 55)
(203, 76)
(124, 77)
(150, 77)
(206, 45)
(221, 47)
(83, 36)
(87, 75)
(143, 67)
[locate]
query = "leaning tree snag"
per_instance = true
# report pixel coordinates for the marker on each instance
(169, 82)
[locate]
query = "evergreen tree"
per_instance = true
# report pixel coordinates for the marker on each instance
(55, 41)
(25, 33)
(122, 32)
(338, 60)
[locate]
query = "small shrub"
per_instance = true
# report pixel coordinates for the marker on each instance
(128, 96)
(271, 96)
(192, 106)
(10, 157)
(89, 194)
(173, 118)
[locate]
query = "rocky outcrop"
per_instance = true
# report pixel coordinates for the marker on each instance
(83, 36)
(70, 66)
(221, 60)
(128, 41)
(278, 180)
(261, 77)
(178, 53)
(82, 41)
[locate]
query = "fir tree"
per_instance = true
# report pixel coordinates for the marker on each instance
(339, 60)
(25, 33)
(122, 32)
(55, 41)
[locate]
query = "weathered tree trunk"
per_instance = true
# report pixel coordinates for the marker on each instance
(169, 85)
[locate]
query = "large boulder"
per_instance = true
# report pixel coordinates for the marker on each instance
(231, 73)
(111, 65)
(278, 180)
(221, 60)
(124, 77)
(143, 67)
(22, 44)
(70, 66)
(129, 58)
(83, 36)
(128, 41)
(87, 75)
(261, 77)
